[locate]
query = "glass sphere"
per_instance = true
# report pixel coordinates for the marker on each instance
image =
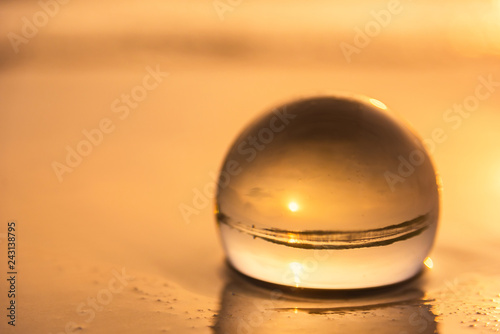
(329, 192)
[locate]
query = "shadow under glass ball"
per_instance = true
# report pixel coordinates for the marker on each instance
(329, 193)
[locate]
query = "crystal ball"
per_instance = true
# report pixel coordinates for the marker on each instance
(331, 192)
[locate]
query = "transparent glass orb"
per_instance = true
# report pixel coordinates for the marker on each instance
(328, 192)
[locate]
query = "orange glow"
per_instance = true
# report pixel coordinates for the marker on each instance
(428, 262)
(296, 270)
(439, 182)
(292, 239)
(293, 206)
(378, 104)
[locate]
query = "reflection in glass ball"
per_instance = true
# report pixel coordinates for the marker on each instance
(328, 192)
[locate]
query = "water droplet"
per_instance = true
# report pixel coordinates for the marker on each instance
(330, 192)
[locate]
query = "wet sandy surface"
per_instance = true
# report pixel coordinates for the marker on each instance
(104, 247)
